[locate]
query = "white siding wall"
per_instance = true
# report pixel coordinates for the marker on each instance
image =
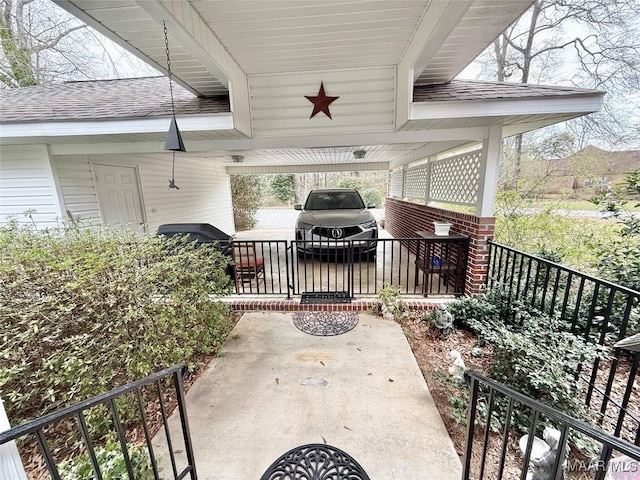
(27, 183)
(366, 103)
(204, 195)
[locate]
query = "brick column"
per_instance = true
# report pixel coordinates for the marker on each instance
(403, 219)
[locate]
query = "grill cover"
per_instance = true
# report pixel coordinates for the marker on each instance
(202, 233)
(197, 232)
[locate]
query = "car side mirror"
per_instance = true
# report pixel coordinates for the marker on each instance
(297, 206)
(371, 205)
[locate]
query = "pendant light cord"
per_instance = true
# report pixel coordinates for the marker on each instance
(172, 182)
(166, 44)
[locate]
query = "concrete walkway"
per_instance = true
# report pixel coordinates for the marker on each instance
(276, 388)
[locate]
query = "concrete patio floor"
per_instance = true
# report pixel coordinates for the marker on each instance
(276, 388)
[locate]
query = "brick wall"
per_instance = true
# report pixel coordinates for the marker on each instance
(403, 219)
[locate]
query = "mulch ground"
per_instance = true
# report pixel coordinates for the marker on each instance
(432, 352)
(34, 463)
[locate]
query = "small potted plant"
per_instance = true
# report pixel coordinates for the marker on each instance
(390, 302)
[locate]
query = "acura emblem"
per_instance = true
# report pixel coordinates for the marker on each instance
(336, 233)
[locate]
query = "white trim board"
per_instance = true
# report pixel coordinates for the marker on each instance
(580, 103)
(265, 143)
(186, 123)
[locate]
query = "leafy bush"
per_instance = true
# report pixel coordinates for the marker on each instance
(111, 462)
(283, 188)
(619, 261)
(389, 300)
(539, 228)
(532, 352)
(84, 311)
(371, 190)
(246, 193)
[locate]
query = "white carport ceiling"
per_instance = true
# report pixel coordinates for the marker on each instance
(328, 156)
(281, 36)
(270, 37)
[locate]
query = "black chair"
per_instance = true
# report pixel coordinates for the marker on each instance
(315, 461)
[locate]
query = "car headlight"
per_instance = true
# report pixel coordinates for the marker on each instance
(304, 226)
(370, 224)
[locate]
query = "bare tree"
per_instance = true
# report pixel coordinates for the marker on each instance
(597, 40)
(41, 44)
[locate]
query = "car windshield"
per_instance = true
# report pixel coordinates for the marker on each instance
(334, 201)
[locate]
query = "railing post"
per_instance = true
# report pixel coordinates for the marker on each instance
(177, 381)
(288, 250)
(352, 268)
(471, 419)
(490, 264)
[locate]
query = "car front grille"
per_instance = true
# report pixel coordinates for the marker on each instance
(337, 232)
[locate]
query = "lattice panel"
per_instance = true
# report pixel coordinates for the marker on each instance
(456, 179)
(415, 181)
(395, 183)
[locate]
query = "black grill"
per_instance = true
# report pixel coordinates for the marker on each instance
(346, 232)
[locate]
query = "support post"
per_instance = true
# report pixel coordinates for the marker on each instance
(427, 190)
(404, 175)
(489, 163)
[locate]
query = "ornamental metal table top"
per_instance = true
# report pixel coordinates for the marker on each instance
(325, 324)
(315, 462)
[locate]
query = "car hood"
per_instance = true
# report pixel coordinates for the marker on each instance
(336, 218)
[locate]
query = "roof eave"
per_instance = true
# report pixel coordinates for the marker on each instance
(79, 127)
(579, 103)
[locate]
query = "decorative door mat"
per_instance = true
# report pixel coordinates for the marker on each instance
(325, 297)
(325, 324)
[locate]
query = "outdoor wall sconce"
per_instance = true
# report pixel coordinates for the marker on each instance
(237, 158)
(359, 154)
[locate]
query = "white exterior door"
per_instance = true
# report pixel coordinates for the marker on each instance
(119, 197)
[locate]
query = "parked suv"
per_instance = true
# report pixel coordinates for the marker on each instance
(334, 219)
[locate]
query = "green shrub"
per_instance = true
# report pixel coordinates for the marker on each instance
(246, 192)
(84, 311)
(619, 260)
(111, 462)
(533, 352)
(282, 187)
(539, 228)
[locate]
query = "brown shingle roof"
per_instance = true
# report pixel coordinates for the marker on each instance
(103, 99)
(149, 97)
(478, 90)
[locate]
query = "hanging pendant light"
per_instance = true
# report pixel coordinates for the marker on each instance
(174, 139)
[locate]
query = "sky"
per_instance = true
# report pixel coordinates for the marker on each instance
(565, 70)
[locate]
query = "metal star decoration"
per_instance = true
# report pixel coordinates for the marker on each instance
(321, 102)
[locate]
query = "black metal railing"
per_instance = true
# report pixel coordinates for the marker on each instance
(417, 266)
(261, 267)
(493, 406)
(599, 311)
(36, 430)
